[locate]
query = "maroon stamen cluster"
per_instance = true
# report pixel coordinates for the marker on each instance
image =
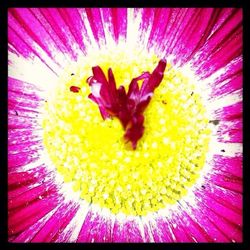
(127, 107)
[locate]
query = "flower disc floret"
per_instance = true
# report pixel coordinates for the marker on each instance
(90, 152)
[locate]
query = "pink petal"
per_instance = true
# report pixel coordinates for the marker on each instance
(226, 220)
(59, 220)
(28, 215)
(28, 234)
(161, 230)
(231, 128)
(218, 45)
(96, 24)
(200, 216)
(95, 228)
(117, 17)
(231, 112)
(229, 165)
(31, 195)
(127, 231)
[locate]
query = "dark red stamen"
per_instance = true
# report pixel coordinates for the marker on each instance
(127, 107)
(75, 89)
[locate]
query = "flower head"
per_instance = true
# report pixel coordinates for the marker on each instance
(71, 177)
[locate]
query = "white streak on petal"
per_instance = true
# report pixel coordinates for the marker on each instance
(37, 226)
(107, 26)
(95, 89)
(31, 71)
(48, 60)
(91, 43)
(217, 74)
(30, 165)
(226, 100)
(71, 232)
(144, 221)
(141, 228)
(144, 40)
(153, 224)
(133, 25)
(231, 149)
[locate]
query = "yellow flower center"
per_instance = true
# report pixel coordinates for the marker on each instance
(91, 153)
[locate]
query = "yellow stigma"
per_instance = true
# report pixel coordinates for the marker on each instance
(91, 153)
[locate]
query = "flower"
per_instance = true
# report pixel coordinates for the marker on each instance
(71, 177)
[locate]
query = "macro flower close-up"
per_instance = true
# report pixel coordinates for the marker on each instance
(125, 125)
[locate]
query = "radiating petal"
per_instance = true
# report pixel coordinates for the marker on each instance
(96, 228)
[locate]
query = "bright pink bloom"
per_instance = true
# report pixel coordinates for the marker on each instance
(40, 44)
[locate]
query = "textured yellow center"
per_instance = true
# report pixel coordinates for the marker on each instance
(91, 153)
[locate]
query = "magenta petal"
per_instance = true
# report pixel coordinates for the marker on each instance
(231, 112)
(233, 129)
(17, 137)
(23, 18)
(227, 173)
(159, 24)
(126, 232)
(229, 165)
(18, 160)
(181, 235)
(226, 181)
(161, 230)
(176, 18)
(72, 18)
(56, 21)
(147, 232)
(21, 189)
(23, 37)
(56, 224)
(117, 17)
(96, 24)
(216, 52)
(203, 221)
(27, 216)
(31, 195)
(24, 177)
(23, 101)
(20, 183)
(21, 122)
(193, 229)
(95, 229)
(224, 210)
(228, 84)
(225, 197)
(23, 88)
(196, 31)
(225, 219)
(28, 234)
